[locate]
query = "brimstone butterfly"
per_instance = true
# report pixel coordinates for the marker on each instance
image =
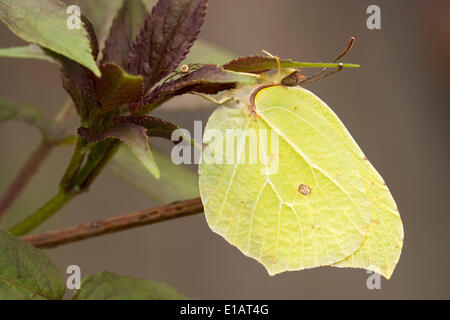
(325, 205)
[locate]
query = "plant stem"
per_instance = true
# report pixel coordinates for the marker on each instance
(131, 220)
(45, 212)
(24, 176)
(74, 165)
(110, 151)
(96, 156)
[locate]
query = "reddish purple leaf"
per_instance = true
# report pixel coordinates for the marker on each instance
(77, 80)
(255, 64)
(133, 135)
(166, 38)
(156, 127)
(123, 32)
(79, 83)
(251, 64)
(92, 36)
(209, 79)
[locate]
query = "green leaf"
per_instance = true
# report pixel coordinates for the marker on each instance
(44, 22)
(11, 110)
(164, 41)
(262, 63)
(116, 87)
(133, 135)
(124, 30)
(305, 204)
(26, 273)
(31, 51)
(177, 182)
(109, 286)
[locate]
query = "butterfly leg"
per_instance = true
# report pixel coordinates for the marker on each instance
(222, 100)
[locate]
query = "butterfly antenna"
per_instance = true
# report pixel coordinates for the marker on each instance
(310, 79)
(351, 42)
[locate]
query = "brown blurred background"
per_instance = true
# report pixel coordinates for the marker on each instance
(396, 107)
